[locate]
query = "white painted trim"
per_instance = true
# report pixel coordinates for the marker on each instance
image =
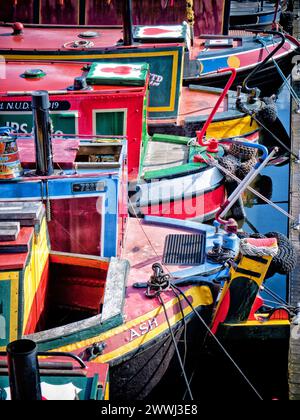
(166, 190)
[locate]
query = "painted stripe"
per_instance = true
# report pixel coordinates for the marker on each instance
(153, 193)
(248, 272)
(14, 311)
(260, 323)
(200, 296)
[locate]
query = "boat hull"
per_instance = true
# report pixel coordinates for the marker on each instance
(260, 80)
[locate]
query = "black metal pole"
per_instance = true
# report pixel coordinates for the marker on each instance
(41, 122)
(226, 18)
(127, 22)
(24, 377)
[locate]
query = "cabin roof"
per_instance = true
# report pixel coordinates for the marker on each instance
(60, 38)
(59, 77)
(64, 152)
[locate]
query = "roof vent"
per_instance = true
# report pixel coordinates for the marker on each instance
(80, 83)
(33, 74)
(89, 34)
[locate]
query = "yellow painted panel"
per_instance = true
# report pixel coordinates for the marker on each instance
(12, 275)
(232, 128)
(14, 309)
(34, 270)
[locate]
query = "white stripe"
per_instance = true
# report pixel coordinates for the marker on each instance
(177, 188)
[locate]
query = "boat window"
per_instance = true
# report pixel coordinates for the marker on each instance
(110, 123)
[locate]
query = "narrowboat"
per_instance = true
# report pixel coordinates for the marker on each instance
(24, 376)
(90, 306)
(170, 50)
(265, 51)
(161, 168)
(130, 317)
(260, 14)
(66, 298)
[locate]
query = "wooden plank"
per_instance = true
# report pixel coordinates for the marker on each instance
(9, 231)
(19, 210)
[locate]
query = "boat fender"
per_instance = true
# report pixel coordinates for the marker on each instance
(239, 161)
(285, 259)
(268, 112)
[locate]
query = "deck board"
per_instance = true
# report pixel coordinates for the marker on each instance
(165, 155)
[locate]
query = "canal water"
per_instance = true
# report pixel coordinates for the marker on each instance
(211, 372)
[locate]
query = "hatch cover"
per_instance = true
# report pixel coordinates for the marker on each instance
(185, 249)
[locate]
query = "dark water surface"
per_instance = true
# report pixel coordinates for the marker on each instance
(213, 376)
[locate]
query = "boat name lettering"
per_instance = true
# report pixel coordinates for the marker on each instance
(11, 106)
(155, 79)
(143, 328)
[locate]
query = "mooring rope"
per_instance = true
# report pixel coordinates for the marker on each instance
(176, 348)
(218, 342)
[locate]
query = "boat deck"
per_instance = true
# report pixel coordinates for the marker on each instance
(164, 155)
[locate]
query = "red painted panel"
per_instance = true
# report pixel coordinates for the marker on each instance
(17, 11)
(78, 287)
(190, 208)
(64, 153)
(59, 12)
(16, 261)
(222, 312)
(208, 13)
(76, 225)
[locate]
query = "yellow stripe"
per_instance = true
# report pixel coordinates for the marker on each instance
(106, 393)
(201, 297)
(12, 275)
(232, 128)
(260, 324)
(175, 55)
(34, 270)
(14, 308)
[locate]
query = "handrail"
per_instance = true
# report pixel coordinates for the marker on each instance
(201, 134)
(269, 56)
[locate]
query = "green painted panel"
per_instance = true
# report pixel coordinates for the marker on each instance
(21, 122)
(4, 312)
(110, 123)
(116, 74)
(55, 388)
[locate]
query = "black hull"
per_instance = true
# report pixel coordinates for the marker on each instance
(135, 378)
(261, 79)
